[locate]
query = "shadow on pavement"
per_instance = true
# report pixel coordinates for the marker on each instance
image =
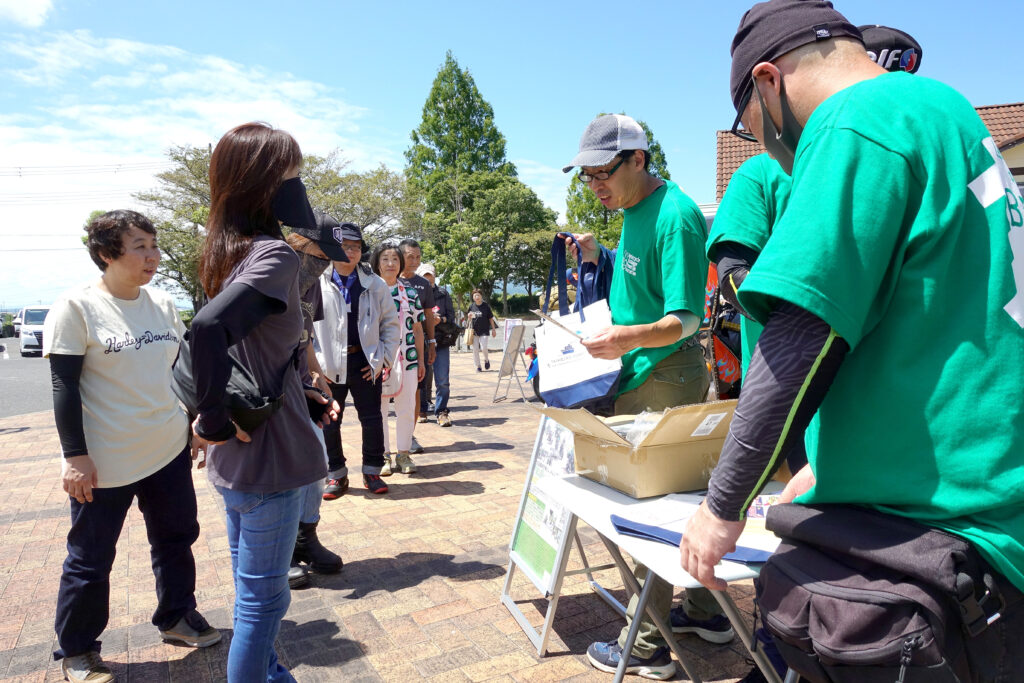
(397, 488)
(481, 421)
(12, 430)
(469, 446)
(315, 643)
(446, 469)
(405, 570)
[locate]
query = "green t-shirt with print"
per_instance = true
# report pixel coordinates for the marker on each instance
(752, 204)
(900, 233)
(660, 267)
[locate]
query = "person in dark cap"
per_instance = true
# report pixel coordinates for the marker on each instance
(358, 338)
(656, 300)
(899, 199)
(754, 202)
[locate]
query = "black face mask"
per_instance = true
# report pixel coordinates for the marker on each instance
(781, 145)
(310, 268)
(291, 205)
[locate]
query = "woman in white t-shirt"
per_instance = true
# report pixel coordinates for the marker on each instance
(123, 435)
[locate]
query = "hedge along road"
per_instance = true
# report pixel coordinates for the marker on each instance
(24, 382)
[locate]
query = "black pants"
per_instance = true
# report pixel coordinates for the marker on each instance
(426, 405)
(366, 397)
(167, 501)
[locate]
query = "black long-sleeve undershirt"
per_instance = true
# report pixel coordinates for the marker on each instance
(734, 262)
(65, 374)
(796, 359)
(223, 322)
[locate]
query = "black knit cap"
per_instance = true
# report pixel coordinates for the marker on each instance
(771, 29)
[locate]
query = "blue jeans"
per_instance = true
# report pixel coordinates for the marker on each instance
(313, 494)
(441, 366)
(261, 534)
(168, 504)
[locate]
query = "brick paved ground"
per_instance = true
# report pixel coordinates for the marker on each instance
(418, 597)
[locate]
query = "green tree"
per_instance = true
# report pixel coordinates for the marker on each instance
(585, 213)
(179, 207)
(455, 140)
(380, 201)
(510, 214)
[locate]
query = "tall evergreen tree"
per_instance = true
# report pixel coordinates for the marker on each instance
(455, 139)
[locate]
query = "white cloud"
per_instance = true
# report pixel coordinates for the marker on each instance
(31, 13)
(87, 100)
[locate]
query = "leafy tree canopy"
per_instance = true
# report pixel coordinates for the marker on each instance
(456, 137)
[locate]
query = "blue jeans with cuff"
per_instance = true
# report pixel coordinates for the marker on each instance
(261, 534)
(442, 365)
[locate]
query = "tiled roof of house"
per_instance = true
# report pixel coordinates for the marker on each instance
(732, 151)
(1004, 121)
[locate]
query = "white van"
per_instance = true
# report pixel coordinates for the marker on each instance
(17, 323)
(32, 329)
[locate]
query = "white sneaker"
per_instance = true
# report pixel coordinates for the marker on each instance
(386, 470)
(86, 668)
(415, 447)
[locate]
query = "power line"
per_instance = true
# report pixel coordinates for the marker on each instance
(47, 249)
(83, 169)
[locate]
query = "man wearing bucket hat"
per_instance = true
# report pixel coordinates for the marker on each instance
(899, 200)
(656, 300)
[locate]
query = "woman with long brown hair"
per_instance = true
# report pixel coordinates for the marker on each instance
(249, 273)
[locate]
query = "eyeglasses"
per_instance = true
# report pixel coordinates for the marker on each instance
(600, 175)
(736, 125)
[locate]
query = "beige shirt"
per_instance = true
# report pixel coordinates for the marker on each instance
(132, 420)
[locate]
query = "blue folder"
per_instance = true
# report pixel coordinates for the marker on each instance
(628, 527)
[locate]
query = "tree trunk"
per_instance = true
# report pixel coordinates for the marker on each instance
(504, 296)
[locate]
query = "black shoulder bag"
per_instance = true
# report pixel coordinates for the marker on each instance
(854, 595)
(243, 398)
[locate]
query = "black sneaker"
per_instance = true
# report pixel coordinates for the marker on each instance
(717, 629)
(335, 488)
(374, 484)
(487, 365)
(606, 657)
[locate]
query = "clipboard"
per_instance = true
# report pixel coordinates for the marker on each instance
(554, 321)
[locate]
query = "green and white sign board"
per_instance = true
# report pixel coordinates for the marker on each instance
(542, 527)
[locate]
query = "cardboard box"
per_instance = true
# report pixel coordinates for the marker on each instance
(678, 454)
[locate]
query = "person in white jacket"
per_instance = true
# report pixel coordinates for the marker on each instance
(358, 338)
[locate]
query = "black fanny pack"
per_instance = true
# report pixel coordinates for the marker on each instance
(447, 333)
(243, 398)
(856, 595)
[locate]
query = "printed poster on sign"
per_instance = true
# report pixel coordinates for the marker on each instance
(543, 522)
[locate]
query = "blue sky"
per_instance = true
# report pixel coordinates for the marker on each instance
(107, 86)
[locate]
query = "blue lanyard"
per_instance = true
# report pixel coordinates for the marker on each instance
(344, 284)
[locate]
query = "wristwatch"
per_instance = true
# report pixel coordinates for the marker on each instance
(431, 341)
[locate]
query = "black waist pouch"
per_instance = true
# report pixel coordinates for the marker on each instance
(856, 595)
(243, 398)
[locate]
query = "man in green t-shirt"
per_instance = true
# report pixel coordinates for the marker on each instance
(890, 295)
(656, 300)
